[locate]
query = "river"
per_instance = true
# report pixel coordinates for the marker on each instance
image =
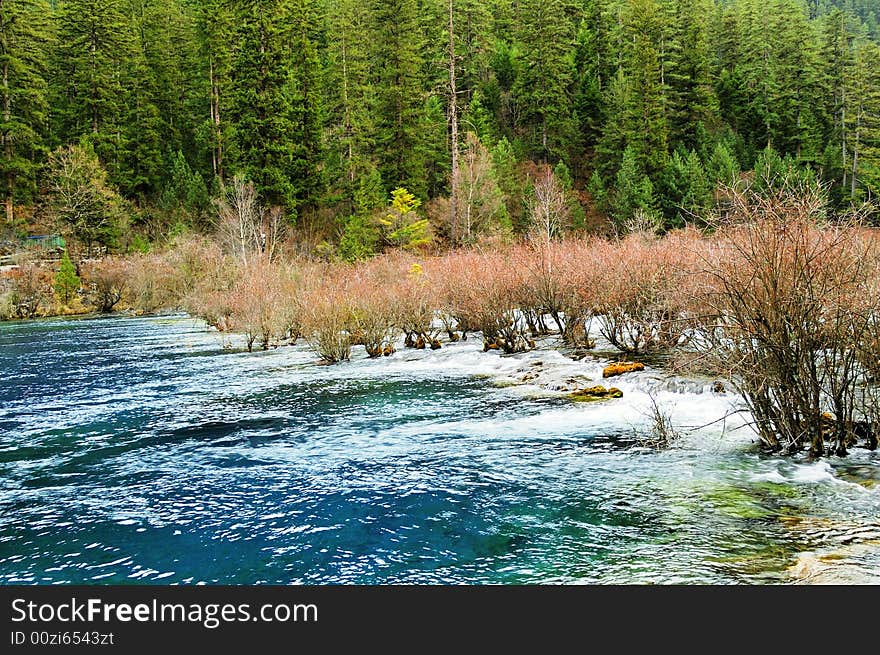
(140, 450)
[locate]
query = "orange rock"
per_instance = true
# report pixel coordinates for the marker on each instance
(619, 368)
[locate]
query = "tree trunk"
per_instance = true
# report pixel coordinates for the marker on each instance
(453, 121)
(7, 145)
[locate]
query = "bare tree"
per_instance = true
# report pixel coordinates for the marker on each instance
(478, 201)
(453, 126)
(247, 230)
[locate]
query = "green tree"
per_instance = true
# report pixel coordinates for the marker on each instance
(85, 205)
(722, 167)
(89, 93)
(275, 108)
(214, 21)
(544, 86)
(688, 71)
(647, 128)
(510, 182)
(352, 101)
(66, 279)
(594, 69)
(401, 226)
(25, 36)
(686, 194)
(633, 193)
(401, 98)
(863, 121)
(184, 190)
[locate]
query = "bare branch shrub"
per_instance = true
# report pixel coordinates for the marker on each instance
(108, 281)
(640, 303)
(795, 304)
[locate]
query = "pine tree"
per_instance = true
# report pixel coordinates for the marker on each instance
(25, 35)
(633, 191)
(686, 194)
(796, 62)
(142, 160)
(352, 101)
(401, 98)
(863, 121)
(214, 22)
(688, 71)
(304, 64)
(617, 128)
(66, 280)
(544, 85)
(94, 50)
(435, 148)
(837, 61)
(647, 128)
(594, 70)
(275, 109)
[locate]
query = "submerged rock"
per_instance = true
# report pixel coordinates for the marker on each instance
(595, 393)
(619, 368)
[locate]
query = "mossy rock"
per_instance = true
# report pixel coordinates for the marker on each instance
(737, 502)
(619, 368)
(595, 393)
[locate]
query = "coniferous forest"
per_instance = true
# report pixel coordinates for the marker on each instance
(641, 108)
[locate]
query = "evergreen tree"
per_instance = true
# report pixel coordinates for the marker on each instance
(90, 70)
(796, 61)
(275, 109)
(722, 167)
(617, 129)
(435, 148)
(401, 98)
(634, 192)
(837, 60)
(141, 162)
(686, 195)
(544, 85)
(304, 64)
(863, 122)
(214, 20)
(25, 35)
(647, 129)
(66, 280)
(688, 71)
(352, 101)
(594, 71)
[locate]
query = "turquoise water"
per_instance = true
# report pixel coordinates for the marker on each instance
(139, 450)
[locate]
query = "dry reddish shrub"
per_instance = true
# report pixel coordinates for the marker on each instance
(260, 303)
(107, 281)
(152, 283)
(414, 292)
(325, 314)
(640, 303)
(561, 280)
(29, 289)
(796, 306)
(483, 292)
(370, 291)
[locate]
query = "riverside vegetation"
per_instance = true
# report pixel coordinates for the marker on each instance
(668, 174)
(776, 298)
